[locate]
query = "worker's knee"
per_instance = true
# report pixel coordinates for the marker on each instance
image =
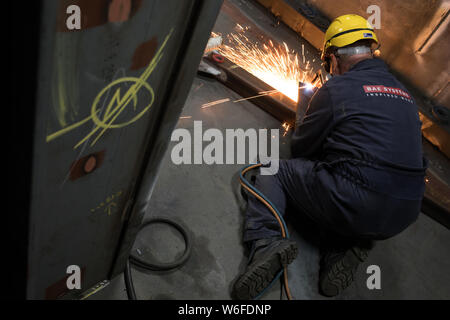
(271, 168)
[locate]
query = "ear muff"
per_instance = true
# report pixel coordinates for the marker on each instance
(327, 64)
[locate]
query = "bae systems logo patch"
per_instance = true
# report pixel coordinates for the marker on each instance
(388, 92)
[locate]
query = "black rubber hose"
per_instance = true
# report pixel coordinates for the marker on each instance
(131, 293)
(156, 266)
(164, 266)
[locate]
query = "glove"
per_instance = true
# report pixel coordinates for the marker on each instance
(306, 92)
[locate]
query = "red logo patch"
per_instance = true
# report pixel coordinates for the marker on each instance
(389, 90)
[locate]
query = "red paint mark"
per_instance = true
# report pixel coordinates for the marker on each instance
(86, 165)
(119, 10)
(144, 54)
(217, 58)
(95, 13)
(90, 164)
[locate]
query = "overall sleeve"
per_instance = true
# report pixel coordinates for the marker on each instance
(309, 136)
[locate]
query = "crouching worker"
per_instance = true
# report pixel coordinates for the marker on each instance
(357, 169)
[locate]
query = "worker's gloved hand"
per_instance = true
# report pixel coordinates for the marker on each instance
(306, 91)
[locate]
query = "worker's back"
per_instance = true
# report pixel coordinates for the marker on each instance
(363, 130)
(374, 115)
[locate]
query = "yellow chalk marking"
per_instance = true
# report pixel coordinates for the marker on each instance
(109, 208)
(117, 104)
(108, 204)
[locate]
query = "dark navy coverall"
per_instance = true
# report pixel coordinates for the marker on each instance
(357, 167)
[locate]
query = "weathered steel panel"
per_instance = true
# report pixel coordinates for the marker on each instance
(109, 95)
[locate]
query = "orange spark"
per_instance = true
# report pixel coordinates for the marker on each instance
(213, 103)
(274, 64)
(286, 128)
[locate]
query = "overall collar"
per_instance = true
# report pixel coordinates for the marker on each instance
(374, 63)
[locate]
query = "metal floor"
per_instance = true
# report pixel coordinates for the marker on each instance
(206, 200)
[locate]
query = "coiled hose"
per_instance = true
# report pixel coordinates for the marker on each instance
(131, 293)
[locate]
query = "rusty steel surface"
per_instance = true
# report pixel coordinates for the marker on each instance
(404, 28)
(296, 21)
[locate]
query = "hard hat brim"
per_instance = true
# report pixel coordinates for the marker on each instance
(348, 38)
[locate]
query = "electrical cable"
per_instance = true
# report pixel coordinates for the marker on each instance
(284, 232)
(131, 293)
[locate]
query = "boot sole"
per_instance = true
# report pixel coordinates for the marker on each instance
(340, 276)
(336, 280)
(259, 276)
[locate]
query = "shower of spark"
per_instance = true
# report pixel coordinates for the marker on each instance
(286, 128)
(261, 94)
(276, 65)
(213, 103)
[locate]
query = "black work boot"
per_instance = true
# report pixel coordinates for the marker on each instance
(267, 258)
(338, 266)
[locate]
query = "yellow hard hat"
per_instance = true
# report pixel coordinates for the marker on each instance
(348, 29)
